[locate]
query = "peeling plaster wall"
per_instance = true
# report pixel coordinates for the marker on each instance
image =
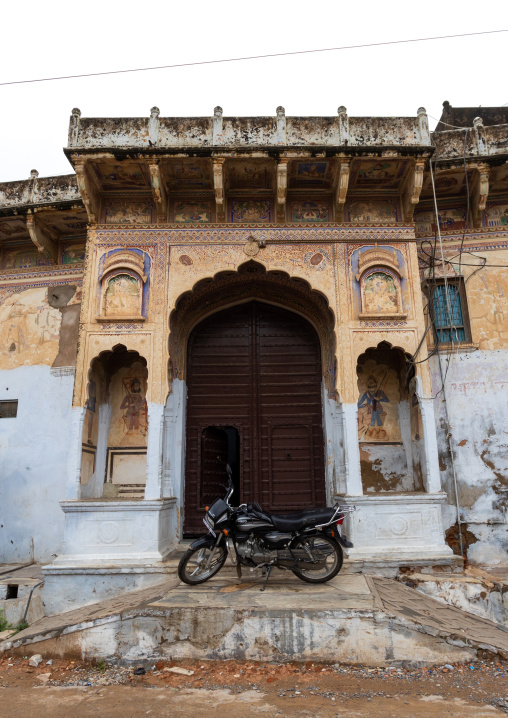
(477, 398)
(33, 461)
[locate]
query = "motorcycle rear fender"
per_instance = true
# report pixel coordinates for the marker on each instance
(342, 540)
(207, 541)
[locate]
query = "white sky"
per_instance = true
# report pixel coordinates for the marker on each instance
(42, 39)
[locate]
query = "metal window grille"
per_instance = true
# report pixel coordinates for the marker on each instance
(449, 321)
(8, 409)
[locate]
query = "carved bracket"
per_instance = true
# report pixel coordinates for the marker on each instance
(218, 185)
(341, 189)
(480, 193)
(44, 238)
(282, 187)
(412, 190)
(158, 190)
(88, 189)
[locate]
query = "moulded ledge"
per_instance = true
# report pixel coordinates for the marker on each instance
(394, 315)
(120, 319)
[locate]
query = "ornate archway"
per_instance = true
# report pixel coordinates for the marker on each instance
(253, 347)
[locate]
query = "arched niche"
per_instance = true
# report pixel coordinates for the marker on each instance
(251, 281)
(123, 282)
(115, 428)
(379, 277)
(389, 421)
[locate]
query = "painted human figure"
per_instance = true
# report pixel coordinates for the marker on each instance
(133, 406)
(90, 406)
(372, 401)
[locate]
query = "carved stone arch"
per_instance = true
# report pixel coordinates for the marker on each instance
(122, 281)
(252, 281)
(379, 277)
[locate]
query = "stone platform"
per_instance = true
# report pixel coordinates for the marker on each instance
(352, 619)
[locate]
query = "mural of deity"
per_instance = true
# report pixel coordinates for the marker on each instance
(378, 418)
(370, 408)
(74, 254)
(122, 297)
(127, 176)
(372, 211)
(134, 407)
(310, 211)
(192, 212)
(313, 172)
(371, 173)
(497, 215)
(379, 294)
(250, 211)
(125, 212)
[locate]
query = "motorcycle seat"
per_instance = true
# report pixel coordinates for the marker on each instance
(301, 519)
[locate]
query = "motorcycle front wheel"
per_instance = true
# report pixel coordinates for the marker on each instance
(199, 564)
(326, 552)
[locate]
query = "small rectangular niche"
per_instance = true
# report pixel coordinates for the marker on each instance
(9, 409)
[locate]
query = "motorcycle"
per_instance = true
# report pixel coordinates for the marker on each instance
(309, 543)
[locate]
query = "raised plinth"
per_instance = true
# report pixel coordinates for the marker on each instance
(397, 529)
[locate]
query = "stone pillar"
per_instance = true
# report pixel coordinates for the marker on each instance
(431, 477)
(72, 489)
(153, 488)
(351, 450)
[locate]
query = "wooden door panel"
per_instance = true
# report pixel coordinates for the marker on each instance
(258, 367)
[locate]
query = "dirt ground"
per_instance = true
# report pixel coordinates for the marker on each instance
(63, 689)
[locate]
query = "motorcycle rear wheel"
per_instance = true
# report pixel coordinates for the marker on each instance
(320, 547)
(193, 569)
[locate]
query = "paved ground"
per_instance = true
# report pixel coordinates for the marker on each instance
(348, 592)
(231, 689)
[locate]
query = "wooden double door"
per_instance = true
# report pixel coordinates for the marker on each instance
(254, 400)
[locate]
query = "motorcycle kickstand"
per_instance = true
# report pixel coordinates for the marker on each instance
(268, 572)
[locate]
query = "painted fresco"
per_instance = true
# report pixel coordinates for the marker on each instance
(372, 211)
(23, 259)
(379, 294)
(248, 211)
(29, 329)
(121, 175)
(129, 415)
(377, 174)
(497, 215)
(192, 174)
(311, 173)
(122, 211)
(74, 254)
(12, 228)
(122, 297)
(378, 419)
(310, 211)
(189, 211)
(249, 175)
(449, 219)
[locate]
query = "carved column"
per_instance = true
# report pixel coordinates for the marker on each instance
(153, 488)
(431, 476)
(480, 193)
(351, 450)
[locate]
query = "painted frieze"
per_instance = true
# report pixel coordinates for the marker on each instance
(251, 210)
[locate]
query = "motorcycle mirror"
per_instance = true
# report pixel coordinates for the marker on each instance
(229, 472)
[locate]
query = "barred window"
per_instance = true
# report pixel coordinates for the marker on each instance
(450, 317)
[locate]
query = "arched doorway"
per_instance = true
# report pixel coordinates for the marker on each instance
(254, 398)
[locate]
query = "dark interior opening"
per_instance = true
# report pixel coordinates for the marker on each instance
(220, 445)
(12, 591)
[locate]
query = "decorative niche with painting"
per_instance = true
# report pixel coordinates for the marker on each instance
(379, 277)
(123, 287)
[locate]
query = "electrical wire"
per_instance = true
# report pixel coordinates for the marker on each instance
(253, 57)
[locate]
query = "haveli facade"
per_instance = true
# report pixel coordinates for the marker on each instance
(284, 293)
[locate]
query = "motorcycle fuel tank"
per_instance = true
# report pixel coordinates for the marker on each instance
(252, 523)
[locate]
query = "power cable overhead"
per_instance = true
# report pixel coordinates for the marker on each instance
(251, 57)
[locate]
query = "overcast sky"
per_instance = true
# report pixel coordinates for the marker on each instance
(62, 38)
